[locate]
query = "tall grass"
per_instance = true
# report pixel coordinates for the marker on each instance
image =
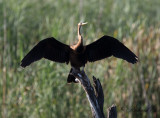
(40, 90)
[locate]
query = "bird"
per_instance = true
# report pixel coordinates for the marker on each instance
(78, 54)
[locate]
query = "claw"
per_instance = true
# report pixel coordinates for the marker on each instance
(76, 80)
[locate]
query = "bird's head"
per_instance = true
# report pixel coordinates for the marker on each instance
(80, 24)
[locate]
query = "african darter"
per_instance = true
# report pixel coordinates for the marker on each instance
(78, 55)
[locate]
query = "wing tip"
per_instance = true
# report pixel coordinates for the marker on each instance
(136, 60)
(23, 65)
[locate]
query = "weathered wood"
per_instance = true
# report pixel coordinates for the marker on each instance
(85, 82)
(99, 93)
(112, 112)
(95, 95)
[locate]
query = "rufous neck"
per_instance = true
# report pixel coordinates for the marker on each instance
(80, 38)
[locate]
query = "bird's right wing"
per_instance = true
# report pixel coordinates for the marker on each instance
(107, 46)
(50, 49)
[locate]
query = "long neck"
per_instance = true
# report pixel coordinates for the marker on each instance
(80, 38)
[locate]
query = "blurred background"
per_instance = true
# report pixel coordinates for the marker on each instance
(41, 90)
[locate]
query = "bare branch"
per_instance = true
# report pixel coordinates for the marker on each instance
(112, 112)
(95, 98)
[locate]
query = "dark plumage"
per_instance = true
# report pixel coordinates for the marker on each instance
(78, 55)
(50, 49)
(108, 46)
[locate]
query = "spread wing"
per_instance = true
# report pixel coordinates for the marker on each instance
(107, 46)
(50, 49)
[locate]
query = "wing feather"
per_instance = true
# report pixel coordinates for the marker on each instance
(108, 46)
(50, 49)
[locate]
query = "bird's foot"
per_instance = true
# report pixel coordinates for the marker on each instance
(76, 80)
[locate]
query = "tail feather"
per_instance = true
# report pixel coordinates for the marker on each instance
(71, 78)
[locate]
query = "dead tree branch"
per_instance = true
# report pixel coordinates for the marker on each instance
(112, 112)
(95, 95)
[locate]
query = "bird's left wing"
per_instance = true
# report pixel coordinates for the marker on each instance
(107, 46)
(50, 49)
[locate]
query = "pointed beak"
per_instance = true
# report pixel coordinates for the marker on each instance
(80, 24)
(84, 23)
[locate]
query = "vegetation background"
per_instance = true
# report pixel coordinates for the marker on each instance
(41, 90)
